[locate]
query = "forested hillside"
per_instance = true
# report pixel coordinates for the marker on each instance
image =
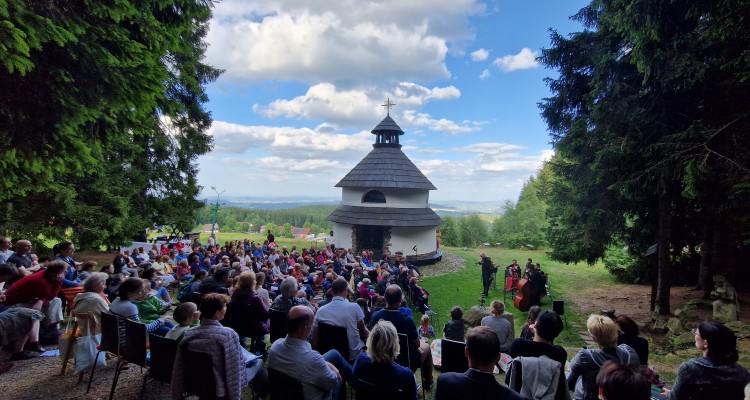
(236, 219)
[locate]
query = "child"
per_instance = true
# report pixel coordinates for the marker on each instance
(425, 331)
(454, 329)
(185, 314)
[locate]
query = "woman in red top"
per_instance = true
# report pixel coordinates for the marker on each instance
(39, 291)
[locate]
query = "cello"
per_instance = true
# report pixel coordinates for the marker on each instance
(523, 296)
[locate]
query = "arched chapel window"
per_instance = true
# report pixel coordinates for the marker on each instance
(374, 196)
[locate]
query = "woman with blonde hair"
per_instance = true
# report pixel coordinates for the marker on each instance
(377, 369)
(501, 326)
(586, 364)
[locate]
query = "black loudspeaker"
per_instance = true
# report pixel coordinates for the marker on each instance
(558, 306)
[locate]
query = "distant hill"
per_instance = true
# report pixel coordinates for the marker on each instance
(443, 208)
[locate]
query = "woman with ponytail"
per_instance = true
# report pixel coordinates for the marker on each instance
(716, 375)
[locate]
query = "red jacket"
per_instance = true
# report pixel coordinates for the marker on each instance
(30, 288)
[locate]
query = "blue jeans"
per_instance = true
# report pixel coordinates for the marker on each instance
(345, 369)
(162, 330)
(162, 293)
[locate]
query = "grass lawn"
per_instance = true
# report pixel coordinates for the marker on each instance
(463, 287)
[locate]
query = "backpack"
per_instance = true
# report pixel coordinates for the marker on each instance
(185, 294)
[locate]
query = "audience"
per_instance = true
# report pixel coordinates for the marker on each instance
(287, 297)
(501, 326)
(478, 382)
(340, 312)
(587, 362)
(93, 299)
(135, 290)
(716, 374)
(39, 292)
(376, 372)
(19, 326)
(425, 331)
(186, 314)
(455, 328)
(223, 347)
(545, 329)
(419, 351)
(619, 382)
(526, 332)
(322, 376)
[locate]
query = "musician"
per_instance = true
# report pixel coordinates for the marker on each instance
(513, 271)
(538, 281)
(488, 269)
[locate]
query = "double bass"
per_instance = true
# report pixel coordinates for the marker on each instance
(527, 291)
(522, 301)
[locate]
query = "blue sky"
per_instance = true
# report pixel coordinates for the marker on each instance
(305, 79)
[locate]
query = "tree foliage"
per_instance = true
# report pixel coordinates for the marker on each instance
(102, 116)
(524, 223)
(648, 122)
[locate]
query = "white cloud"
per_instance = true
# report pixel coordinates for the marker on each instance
(286, 141)
(356, 107)
(342, 41)
(438, 125)
(479, 55)
(485, 74)
(525, 59)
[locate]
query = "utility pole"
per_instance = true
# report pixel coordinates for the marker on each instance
(215, 209)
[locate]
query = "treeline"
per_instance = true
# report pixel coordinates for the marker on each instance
(522, 224)
(237, 219)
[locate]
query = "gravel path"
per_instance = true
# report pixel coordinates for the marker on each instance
(448, 265)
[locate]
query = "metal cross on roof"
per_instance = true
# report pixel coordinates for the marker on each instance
(388, 105)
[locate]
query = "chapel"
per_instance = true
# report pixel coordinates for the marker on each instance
(385, 202)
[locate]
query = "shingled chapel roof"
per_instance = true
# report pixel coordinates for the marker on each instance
(386, 166)
(385, 216)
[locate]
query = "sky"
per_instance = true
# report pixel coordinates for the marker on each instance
(305, 81)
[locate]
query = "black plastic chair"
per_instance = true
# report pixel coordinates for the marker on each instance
(404, 359)
(332, 337)
(278, 324)
(134, 352)
(369, 391)
(163, 352)
(283, 386)
(453, 356)
(199, 375)
(110, 342)
(558, 306)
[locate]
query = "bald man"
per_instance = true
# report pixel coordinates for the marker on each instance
(22, 258)
(321, 375)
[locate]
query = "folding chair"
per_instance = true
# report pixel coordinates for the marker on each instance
(404, 359)
(283, 386)
(199, 375)
(110, 342)
(134, 352)
(278, 324)
(333, 337)
(163, 352)
(453, 356)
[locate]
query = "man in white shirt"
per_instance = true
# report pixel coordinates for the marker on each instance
(321, 375)
(340, 312)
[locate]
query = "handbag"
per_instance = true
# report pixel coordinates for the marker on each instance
(86, 350)
(67, 339)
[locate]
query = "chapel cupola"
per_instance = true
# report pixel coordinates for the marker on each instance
(387, 131)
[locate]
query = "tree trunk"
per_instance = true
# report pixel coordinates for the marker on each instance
(665, 236)
(724, 249)
(704, 273)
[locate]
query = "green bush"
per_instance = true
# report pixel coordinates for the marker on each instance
(626, 267)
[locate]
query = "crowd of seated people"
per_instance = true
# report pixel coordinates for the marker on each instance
(364, 297)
